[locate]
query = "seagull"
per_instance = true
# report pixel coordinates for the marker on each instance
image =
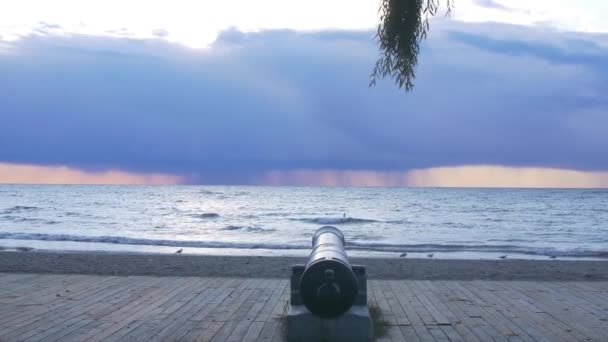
(503, 256)
(553, 257)
(344, 215)
(430, 255)
(179, 251)
(403, 255)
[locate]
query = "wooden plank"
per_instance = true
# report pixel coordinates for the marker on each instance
(266, 311)
(259, 301)
(208, 334)
(436, 298)
(171, 322)
(461, 306)
(85, 336)
(557, 328)
(534, 323)
(59, 309)
(268, 331)
(203, 321)
(387, 314)
(405, 297)
(451, 333)
(420, 292)
(282, 306)
(590, 295)
(220, 288)
(421, 310)
(186, 312)
(496, 319)
(132, 317)
(58, 334)
(409, 334)
(67, 317)
(481, 309)
(220, 295)
(253, 331)
(127, 295)
(575, 296)
(388, 290)
(26, 285)
(148, 311)
(81, 332)
(45, 301)
(555, 305)
(504, 311)
(50, 299)
(127, 314)
(234, 328)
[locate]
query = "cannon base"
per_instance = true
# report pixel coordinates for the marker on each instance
(353, 326)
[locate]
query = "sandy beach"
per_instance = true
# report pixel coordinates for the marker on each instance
(280, 267)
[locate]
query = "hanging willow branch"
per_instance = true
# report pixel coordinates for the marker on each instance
(403, 26)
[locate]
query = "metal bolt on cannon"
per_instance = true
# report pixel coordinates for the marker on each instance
(328, 295)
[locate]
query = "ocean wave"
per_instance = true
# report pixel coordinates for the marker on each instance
(335, 220)
(209, 192)
(494, 219)
(505, 249)
(272, 214)
(398, 221)
(19, 209)
(72, 213)
(121, 240)
(372, 247)
(205, 215)
(249, 229)
(18, 219)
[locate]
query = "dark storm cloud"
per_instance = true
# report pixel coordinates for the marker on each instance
(594, 55)
(281, 100)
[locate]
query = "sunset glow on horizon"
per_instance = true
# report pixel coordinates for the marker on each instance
(37, 174)
(471, 176)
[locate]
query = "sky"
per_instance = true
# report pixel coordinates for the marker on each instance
(507, 94)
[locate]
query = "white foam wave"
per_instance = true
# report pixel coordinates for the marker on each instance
(335, 220)
(206, 215)
(375, 247)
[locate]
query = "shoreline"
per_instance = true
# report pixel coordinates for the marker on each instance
(127, 264)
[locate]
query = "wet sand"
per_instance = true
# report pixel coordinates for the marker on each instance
(280, 267)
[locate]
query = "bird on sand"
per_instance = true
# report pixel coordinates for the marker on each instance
(430, 255)
(503, 256)
(179, 251)
(403, 255)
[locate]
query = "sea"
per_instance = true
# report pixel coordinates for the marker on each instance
(280, 221)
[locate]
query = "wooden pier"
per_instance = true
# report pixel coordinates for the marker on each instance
(53, 307)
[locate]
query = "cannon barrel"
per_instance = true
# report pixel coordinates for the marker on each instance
(328, 285)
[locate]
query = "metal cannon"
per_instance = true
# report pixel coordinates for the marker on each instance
(328, 299)
(328, 285)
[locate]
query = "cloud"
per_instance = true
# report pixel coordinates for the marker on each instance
(506, 177)
(36, 174)
(492, 4)
(282, 100)
(459, 176)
